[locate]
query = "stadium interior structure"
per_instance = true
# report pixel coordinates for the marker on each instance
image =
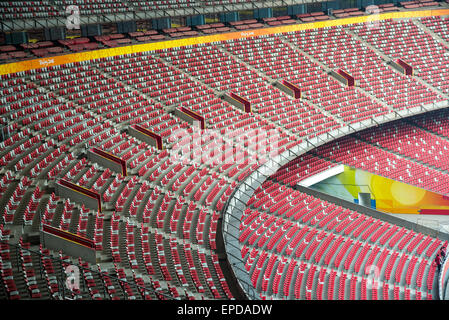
(164, 149)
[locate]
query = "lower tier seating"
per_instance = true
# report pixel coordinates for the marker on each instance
(296, 246)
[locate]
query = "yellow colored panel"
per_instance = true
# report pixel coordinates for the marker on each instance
(90, 55)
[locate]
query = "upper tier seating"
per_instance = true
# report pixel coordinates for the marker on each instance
(87, 7)
(10, 10)
(265, 100)
(150, 5)
(338, 49)
(211, 190)
(279, 62)
(403, 39)
(348, 104)
(415, 4)
(438, 25)
(106, 96)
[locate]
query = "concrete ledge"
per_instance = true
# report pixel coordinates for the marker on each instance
(238, 101)
(402, 66)
(107, 160)
(88, 198)
(146, 135)
(289, 88)
(191, 117)
(73, 245)
(343, 77)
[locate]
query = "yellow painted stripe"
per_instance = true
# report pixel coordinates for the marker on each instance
(103, 53)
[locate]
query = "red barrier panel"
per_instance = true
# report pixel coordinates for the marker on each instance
(408, 69)
(434, 211)
(151, 134)
(245, 102)
(69, 236)
(350, 79)
(195, 116)
(82, 190)
(112, 158)
(294, 88)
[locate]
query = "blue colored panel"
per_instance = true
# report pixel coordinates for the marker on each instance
(324, 6)
(333, 5)
(229, 17)
(195, 20)
(161, 23)
(263, 13)
(366, 3)
(296, 9)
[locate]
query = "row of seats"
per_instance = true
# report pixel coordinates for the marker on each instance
(246, 83)
(296, 246)
(402, 39)
(410, 141)
(438, 25)
(65, 216)
(282, 62)
(44, 9)
(160, 221)
(301, 168)
(113, 188)
(86, 7)
(78, 92)
(436, 122)
(339, 50)
(27, 9)
(274, 58)
(110, 98)
(172, 87)
(361, 155)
